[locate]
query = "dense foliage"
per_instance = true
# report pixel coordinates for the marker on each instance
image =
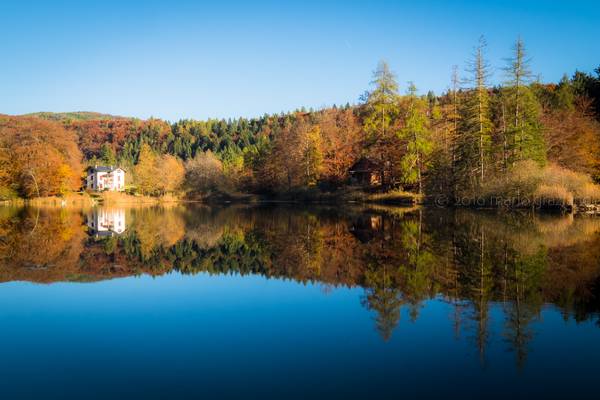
(453, 145)
(37, 158)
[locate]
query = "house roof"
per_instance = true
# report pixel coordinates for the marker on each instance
(103, 168)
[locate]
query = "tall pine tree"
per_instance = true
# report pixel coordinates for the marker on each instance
(416, 134)
(524, 131)
(475, 128)
(381, 111)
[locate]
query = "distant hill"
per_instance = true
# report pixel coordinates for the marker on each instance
(76, 116)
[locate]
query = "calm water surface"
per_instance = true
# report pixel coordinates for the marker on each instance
(283, 302)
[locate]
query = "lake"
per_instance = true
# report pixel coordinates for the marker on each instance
(297, 302)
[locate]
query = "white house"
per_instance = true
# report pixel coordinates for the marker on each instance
(105, 178)
(106, 222)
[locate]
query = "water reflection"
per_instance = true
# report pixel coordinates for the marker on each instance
(401, 258)
(106, 221)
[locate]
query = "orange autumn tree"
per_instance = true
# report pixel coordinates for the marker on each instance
(295, 157)
(38, 158)
(573, 137)
(341, 143)
(5, 174)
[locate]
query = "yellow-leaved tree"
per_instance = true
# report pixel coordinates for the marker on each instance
(146, 171)
(157, 175)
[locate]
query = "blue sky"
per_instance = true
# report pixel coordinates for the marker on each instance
(183, 59)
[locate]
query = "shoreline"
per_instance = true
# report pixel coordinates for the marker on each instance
(406, 200)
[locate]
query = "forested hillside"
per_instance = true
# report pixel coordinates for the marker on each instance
(519, 142)
(77, 115)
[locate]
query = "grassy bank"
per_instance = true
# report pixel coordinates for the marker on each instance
(84, 199)
(69, 200)
(314, 195)
(120, 198)
(528, 185)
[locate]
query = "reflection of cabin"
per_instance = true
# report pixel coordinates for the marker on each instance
(106, 222)
(366, 227)
(105, 178)
(366, 172)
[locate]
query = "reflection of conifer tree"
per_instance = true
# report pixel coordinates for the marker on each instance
(457, 315)
(384, 298)
(526, 303)
(518, 333)
(459, 306)
(419, 272)
(110, 245)
(476, 279)
(314, 245)
(481, 292)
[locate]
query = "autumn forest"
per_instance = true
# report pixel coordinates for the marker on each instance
(515, 144)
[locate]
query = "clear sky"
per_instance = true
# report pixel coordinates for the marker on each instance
(184, 59)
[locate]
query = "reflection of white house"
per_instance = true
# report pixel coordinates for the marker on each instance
(106, 222)
(105, 178)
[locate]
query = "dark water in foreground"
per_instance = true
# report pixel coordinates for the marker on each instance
(297, 303)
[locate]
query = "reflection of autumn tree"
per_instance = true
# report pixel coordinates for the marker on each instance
(341, 252)
(205, 226)
(7, 216)
(308, 246)
(40, 244)
(157, 227)
(297, 246)
(571, 279)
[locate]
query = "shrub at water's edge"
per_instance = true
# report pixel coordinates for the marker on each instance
(529, 185)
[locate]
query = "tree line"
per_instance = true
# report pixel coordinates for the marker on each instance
(521, 140)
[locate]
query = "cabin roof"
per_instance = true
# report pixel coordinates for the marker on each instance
(365, 165)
